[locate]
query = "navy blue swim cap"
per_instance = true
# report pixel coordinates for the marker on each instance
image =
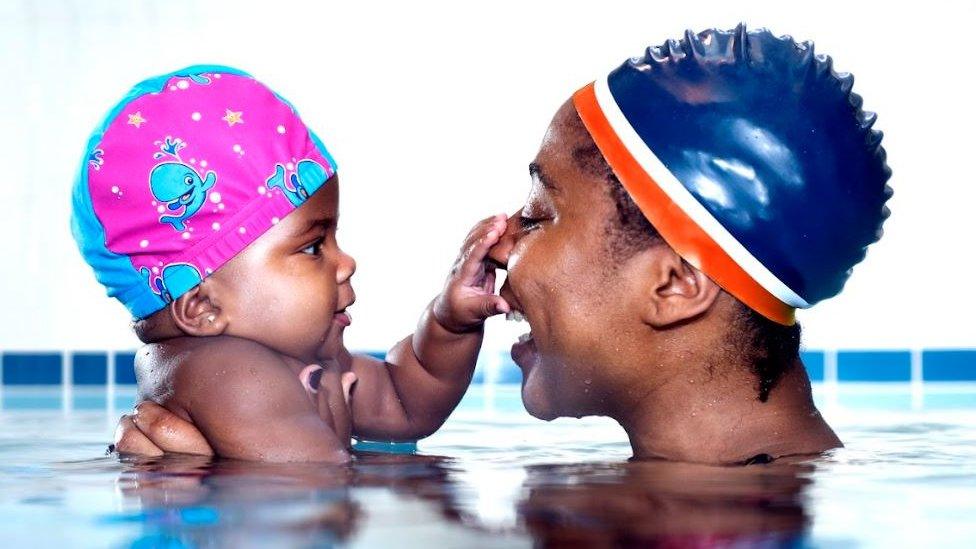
(751, 157)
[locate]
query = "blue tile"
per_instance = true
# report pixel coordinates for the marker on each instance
(949, 365)
(508, 371)
(31, 368)
(874, 366)
(48, 399)
(125, 371)
(814, 363)
(379, 355)
(479, 375)
(89, 368)
(89, 401)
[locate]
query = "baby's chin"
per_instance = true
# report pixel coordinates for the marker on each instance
(332, 346)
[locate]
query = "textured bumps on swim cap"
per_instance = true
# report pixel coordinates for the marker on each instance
(776, 80)
(712, 48)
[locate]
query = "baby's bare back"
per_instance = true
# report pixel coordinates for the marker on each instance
(244, 398)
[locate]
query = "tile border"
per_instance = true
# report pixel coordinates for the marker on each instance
(115, 367)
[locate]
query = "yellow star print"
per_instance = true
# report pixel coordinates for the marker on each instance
(233, 117)
(136, 119)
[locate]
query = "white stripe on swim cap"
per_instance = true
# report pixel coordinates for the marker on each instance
(683, 198)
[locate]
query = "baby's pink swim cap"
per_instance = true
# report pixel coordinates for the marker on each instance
(185, 172)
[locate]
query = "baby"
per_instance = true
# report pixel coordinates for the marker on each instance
(210, 211)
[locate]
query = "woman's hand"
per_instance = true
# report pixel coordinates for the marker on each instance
(329, 390)
(151, 430)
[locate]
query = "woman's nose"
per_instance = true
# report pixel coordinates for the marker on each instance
(498, 254)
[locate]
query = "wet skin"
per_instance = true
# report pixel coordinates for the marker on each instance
(644, 340)
(250, 363)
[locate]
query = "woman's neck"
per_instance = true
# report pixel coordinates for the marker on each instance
(720, 419)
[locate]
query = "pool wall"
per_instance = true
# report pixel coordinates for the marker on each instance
(87, 368)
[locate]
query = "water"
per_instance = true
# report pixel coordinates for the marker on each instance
(493, 476)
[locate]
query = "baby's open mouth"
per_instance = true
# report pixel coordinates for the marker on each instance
(342, 317)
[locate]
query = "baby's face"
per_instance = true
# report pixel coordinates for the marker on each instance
(290, 288)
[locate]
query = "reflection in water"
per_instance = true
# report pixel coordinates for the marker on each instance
(193, 501)
(664, 503)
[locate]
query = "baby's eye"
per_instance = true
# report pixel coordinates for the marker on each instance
(315, 248)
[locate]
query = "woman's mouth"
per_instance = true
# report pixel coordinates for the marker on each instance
(524, 351)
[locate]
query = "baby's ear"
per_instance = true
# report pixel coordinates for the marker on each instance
(197, 314)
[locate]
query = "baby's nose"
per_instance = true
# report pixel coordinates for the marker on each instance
(498, 254)
(346, 267)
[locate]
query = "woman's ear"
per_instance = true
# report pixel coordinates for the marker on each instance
(196, 312)
(674, 291)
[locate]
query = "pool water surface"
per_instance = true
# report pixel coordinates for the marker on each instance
(494, 476)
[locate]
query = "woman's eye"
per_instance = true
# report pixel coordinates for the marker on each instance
(314, 248)
(527, 223)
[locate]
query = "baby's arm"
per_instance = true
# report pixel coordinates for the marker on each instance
(249, 405)
(409, 396)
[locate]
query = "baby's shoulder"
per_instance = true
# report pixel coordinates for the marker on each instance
(228, 353)
(187, 364)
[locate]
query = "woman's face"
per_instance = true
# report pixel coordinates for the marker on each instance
(561, 277)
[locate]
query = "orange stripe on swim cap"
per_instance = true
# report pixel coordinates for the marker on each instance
(675, 225)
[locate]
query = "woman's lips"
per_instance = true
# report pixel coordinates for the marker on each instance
(524, 352)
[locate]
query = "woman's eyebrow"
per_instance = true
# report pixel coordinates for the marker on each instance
(535, 170)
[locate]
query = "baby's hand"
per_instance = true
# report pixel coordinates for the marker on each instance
(469, 294)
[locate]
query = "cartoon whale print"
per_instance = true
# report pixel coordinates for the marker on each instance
(180, 186)
(295, 186)
(175, 278)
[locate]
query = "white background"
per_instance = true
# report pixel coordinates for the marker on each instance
(434, 109)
